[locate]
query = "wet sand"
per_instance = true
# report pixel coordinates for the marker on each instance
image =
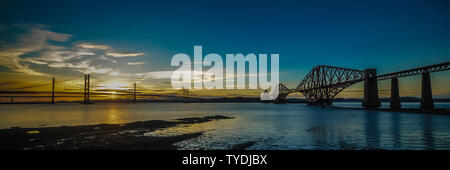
(127, 136)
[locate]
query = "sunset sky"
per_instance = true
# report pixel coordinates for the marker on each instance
(119, 43)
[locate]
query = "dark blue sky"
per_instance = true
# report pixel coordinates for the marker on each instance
(389, 35)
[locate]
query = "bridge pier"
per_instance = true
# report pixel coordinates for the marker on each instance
(322, 102)
(311, 103)
(329, 102)
(427, 97)
(395, 96)
(281, 99)
(371, 99)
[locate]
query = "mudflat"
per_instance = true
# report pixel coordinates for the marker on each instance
(128, 136)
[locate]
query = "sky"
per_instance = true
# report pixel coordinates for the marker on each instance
(122, 42)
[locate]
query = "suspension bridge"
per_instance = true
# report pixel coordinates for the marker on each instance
(323, 83)
(81, 89)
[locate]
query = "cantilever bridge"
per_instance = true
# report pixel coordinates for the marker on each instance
(323, 83)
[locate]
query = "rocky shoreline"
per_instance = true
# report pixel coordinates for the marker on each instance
(129, 136)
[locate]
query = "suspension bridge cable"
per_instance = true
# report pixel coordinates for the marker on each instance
(40, 85)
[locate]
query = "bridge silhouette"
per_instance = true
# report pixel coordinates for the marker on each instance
(323, 83)
(82, 89)
(320, 86)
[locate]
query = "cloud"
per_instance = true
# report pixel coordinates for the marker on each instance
(117, 73)
(114, 73)
(86, 53)
(135, 63)
(34, 61)
(155, 75)
(124, 54)
(31, 45)
(28, 40)
(93, 46)
(83, 67)
(107, 59)
(98, 70)
(56, 56)
(80, 65)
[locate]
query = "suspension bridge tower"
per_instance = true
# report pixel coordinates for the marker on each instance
(185, 93)
(87, 89)
(134, 93)
(53, 90)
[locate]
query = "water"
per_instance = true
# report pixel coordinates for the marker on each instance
(404, 105)
(271, 126)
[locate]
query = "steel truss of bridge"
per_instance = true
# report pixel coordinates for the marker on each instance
(323, 83)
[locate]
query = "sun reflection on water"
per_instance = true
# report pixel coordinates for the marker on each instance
(113, 116)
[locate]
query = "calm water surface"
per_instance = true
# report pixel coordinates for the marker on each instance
(271, 126)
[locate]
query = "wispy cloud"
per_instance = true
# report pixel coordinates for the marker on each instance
(135, 63)
(107, 59)
(85, 53)
(31, 45)
(34, 61)
(30, 39)
(93, 46)
(124, 54)
(155, 75)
